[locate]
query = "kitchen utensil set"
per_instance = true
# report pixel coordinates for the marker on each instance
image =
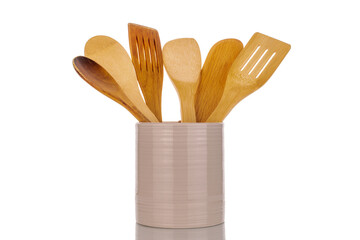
(207, 94)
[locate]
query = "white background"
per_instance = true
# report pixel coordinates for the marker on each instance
(67, 153)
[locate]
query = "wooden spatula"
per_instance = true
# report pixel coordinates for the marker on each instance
(101, 80)
(182, 60)
(213, 76)
(108, 53)
(250, 70)
(146, 55)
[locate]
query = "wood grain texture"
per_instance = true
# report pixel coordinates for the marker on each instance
(108, 53)
(251, 69)
(146, 55)
(182, 60)
(101, 80)
(213, 76)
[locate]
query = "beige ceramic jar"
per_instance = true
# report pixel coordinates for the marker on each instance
(179, 174)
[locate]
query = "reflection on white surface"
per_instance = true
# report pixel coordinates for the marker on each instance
(209, 233)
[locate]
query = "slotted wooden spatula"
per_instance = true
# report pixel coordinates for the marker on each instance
(250, 70)
(146, 55)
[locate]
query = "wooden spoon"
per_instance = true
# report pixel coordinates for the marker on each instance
(182, 60)
(250, 70)
(108, 53)
(102, 81)
(213, 76)
(147, 58)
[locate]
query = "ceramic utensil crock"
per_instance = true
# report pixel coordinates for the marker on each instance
(179, 174)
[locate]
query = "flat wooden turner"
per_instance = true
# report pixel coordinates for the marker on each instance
(213, 76)
(250, 70)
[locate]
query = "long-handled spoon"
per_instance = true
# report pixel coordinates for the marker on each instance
(147, 58)
(108, 53)
(213, 76)
(250, 70)
(102, 81)
(182, 60)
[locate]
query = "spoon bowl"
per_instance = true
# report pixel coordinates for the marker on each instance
(101, 80)
(115, 60)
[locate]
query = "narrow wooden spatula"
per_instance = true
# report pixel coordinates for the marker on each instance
(182, 60)
(146, 55)
(213, 76)
(250, 70)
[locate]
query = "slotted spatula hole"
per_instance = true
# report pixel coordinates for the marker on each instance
(252, 55)
(144, 55)
(150, 56)
(138, 52)
(258, 61)
(272, 56)
(155, 57)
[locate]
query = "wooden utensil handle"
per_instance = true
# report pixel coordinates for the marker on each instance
(153, 101)
(188, 113)
(223, 108)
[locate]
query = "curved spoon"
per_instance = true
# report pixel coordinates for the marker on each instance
(182, 60)
(108, 53)
(102, 81)
(213, 76)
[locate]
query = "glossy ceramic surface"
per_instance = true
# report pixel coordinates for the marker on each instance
(179, 174)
